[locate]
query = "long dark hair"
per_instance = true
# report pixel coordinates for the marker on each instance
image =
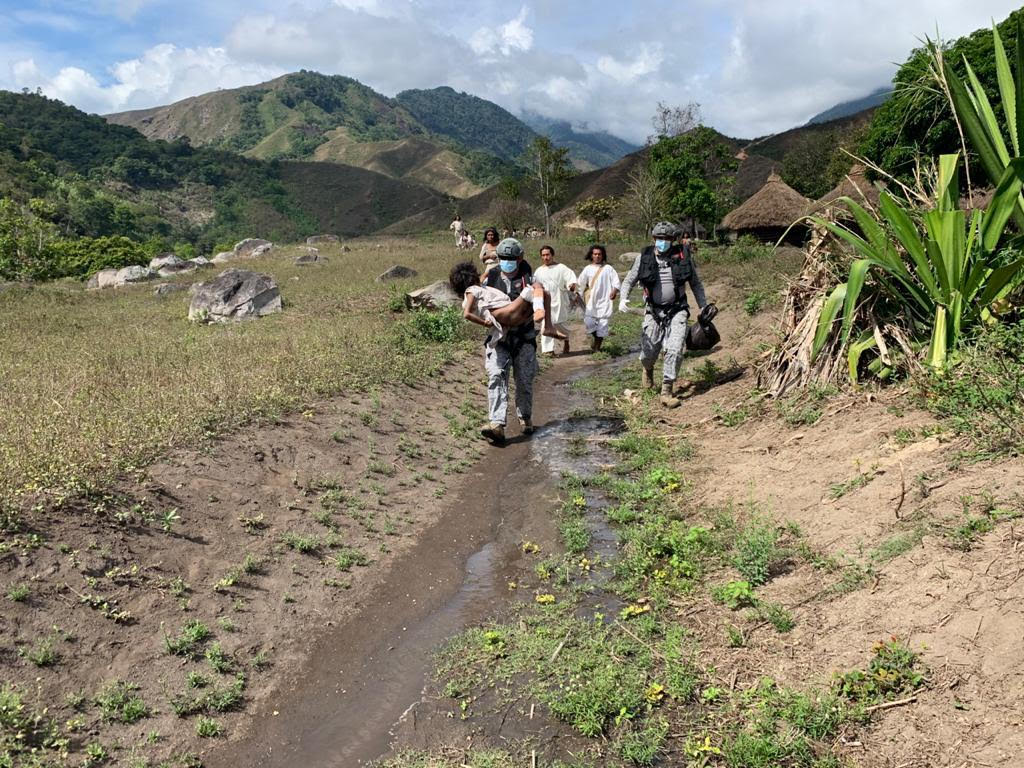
(463, 275)
(591, 249)
(491, 230)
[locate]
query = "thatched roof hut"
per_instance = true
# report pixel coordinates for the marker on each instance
(769, 212)
(854, 185)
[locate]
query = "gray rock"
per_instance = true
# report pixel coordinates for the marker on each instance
(164, 259)
(166, 289)
(434, 296)
(310, 256)
(397, 272)
(321, 239)
(134, 274)
(201, 262)
(105, 278)
(628, 258)
(223, 257)
(233, 295)
(252, 247)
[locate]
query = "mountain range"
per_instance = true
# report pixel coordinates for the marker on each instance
(455, 143)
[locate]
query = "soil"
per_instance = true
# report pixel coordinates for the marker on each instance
(338, 662)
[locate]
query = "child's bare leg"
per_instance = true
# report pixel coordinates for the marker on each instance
(548, 328)
(514, 314)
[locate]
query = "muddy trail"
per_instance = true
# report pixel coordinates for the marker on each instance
(371, 673)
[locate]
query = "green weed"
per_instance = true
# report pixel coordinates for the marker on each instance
(119, 702)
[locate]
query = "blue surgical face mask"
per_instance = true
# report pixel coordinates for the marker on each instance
(508, 266)
(662, 245)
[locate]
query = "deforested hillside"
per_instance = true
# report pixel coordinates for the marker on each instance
(81, 194)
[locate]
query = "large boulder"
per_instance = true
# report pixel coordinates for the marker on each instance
(628, 258)
(309, 256)
(397, 272)
(322, 240)
(435, 296)
(251, 248)
(233, 295)
(133, 274)
(105, 278)
(223, 257)
(170, 264)
(201, 262)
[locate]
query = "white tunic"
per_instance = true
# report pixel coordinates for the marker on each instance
(599, 304)
(556, 280)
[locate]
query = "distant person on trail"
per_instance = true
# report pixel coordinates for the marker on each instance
(599, 284)
(458, 228)
(687, 244)
(560, 282)
(467, 241)
(516, 351)
(663, 270)
(489, 249)
(494, 309)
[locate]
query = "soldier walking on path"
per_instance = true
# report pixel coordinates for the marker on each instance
(663, 270)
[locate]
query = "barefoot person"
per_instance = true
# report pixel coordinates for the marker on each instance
(560, 282)
(663, 270)
(515, 352)
(494, 309)
(599, 283)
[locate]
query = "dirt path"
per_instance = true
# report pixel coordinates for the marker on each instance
(364, 676)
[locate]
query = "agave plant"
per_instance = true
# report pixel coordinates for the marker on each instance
(974, 112)
(943, 272)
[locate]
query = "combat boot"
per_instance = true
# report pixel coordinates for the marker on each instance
(647, 378)
(495, 433)
(668, 399)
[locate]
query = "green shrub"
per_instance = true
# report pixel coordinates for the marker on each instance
(983, 397)
(443, 326)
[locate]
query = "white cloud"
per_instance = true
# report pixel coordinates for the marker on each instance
(646, 63)
(163, 74)
(512, 36)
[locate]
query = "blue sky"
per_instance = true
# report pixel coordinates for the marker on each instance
(755, 66)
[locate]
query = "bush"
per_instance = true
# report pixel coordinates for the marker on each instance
(85, 256)
(749, 248)
(442, 327)
(983, 396)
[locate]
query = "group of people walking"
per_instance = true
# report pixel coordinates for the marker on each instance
(513, 300)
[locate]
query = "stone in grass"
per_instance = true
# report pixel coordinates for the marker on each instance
(252, 247)
(201, 262)
(223, 257)
(322, 239)
(628, 258)
(397, 272)
(309, 255)
(133, 274)
(235, 294)
(166, 289)
(435, 296)
(105, 278)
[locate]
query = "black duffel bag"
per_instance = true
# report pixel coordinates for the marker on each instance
(703, 334)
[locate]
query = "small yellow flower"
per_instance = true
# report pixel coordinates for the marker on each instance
(545, 599)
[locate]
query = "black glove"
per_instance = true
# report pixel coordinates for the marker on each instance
(707, 314)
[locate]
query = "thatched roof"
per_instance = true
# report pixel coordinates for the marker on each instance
(979, 201)
(854, 185)
(775, 205)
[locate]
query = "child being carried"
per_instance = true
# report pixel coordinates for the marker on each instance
(492, 308)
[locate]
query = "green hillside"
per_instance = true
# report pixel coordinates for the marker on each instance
(589, 149)
(79, 194)
(473, 122)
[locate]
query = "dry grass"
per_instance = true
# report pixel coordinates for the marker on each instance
(95, 383)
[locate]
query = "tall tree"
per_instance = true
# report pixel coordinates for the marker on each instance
(674, 121)
(646, 197)
(597, 209)
(550, 172)
(698, 168)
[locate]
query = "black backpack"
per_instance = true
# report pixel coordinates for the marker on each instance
(703, 335)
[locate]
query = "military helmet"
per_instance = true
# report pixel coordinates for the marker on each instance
(510, 248)
(665, 229)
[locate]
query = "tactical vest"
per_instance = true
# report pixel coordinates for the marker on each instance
(527, 332)
(682, 271)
